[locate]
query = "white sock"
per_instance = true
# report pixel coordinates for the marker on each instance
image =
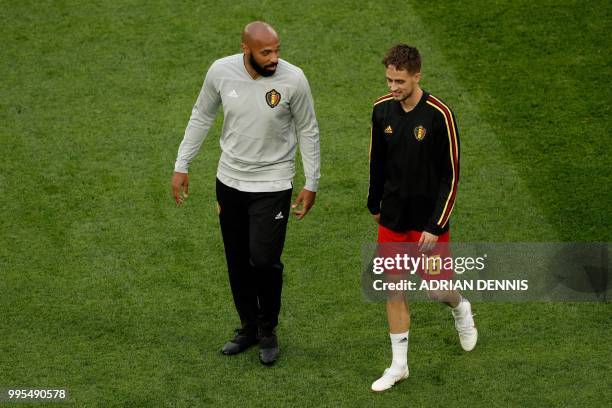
(399, 347)
(462, 312)
(462, 304)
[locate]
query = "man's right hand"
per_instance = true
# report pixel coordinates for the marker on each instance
(180, 187)
(376, 218)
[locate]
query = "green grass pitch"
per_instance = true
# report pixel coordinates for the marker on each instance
(109, 290)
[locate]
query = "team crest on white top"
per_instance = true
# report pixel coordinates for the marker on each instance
(273, 98)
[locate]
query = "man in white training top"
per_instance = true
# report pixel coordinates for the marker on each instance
(267, 110)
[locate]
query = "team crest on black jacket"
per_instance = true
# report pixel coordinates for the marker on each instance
(273, 98)
(419, 132)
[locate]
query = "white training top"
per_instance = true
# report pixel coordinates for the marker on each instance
(263, 120)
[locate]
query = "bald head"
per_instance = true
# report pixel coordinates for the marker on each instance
(259, 33)
(261, 47)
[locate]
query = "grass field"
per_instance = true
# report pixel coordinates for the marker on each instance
(110, 291)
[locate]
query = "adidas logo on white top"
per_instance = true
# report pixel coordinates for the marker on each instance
(279, 216)
(233, 94)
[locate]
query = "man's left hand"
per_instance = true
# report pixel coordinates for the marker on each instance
(427, 241)
(307, 199)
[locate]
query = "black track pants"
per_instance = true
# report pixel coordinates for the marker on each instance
(253, 226)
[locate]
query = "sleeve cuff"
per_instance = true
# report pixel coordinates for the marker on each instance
(181, 167)
(374, 208)
(434, 229)
(311, 184)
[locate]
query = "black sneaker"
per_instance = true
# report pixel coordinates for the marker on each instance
(268, 348)
(242, 341)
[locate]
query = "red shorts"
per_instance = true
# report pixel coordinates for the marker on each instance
(432, 266)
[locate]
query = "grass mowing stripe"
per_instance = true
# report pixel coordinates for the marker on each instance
(485, 164)
(543, 77)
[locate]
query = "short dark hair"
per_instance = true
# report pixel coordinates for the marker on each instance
(404, 57)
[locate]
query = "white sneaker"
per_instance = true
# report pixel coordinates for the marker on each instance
(389, 379)
(464, 323)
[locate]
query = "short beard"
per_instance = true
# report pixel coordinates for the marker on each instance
(258, 68)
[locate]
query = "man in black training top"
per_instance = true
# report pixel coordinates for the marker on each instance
(414, 171)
